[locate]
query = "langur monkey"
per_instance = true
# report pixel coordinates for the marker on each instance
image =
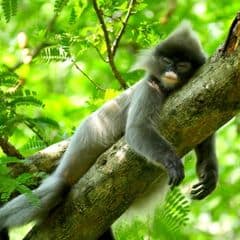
(168, 66)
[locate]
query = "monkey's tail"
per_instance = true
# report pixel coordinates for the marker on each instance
(21, 210)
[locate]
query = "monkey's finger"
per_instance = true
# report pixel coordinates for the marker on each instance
(197, 185)
(197, 196)
(206, 182)
(209, 184)
(176, 175)
(178, 180)
(201, 192)
(170, 180)
(175, 181)
(181, 176)
(171, 176)
(197, 190)
(196, 193)
(201, 195)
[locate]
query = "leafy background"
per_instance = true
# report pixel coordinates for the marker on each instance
(55, 71)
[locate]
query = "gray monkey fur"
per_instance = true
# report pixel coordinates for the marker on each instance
(128, 114)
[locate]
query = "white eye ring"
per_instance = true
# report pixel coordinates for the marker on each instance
(166, 60)
(184, 66)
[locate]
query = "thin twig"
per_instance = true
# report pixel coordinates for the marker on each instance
(124, 25)
(17, 86)
(33, 129)
(34, 54)
(51, 24)
(88, 77)
(108, 46)
(172, 5)
(117, 74)
(99, 54)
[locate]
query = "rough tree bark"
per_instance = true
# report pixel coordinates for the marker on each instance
(190, 115)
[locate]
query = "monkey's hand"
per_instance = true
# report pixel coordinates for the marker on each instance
(175, 169)
(207, 183)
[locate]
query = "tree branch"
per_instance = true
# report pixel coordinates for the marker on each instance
(97, 86)
(45, 160)
(9, 149)
(190, 115)
(104, 28)
(233, 37)
(108, 46)
(34, 54)
(124, 25)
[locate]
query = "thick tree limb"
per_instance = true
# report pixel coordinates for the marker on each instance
(45, 160)
(190, 115)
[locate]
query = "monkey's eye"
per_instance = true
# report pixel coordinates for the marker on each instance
(166, 61)
(183, 66)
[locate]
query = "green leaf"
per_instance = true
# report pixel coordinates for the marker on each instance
(9, 8)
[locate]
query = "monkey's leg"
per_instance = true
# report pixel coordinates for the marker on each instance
(206, 167)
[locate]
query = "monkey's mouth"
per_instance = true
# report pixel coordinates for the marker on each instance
(170, 79)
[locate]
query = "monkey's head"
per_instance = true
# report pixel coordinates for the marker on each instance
(174, 61)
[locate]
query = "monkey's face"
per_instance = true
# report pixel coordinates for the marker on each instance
(173, 72)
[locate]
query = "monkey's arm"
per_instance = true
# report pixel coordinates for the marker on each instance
(207, 169)
(142, 136)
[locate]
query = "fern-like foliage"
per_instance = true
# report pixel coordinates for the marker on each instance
(59, 5)
(172, 215)
(8, 185)
(55, 53)
(73, 16)
(9, 8)
(167, 223)
(33, 145)
(12, 98)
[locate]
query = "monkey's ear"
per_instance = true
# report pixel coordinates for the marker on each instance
(145, 59)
